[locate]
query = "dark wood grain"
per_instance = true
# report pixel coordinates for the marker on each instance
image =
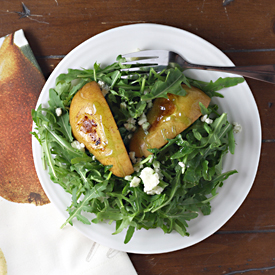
(240, 25)
(258, 210)
(48, 64)
(225, 254)
(245, 32)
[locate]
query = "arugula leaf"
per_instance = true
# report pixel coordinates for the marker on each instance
(65, 127)
(94, 192)
(172, 84)
(211, 88)
(130, 233)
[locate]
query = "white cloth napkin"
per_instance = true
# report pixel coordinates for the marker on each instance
(33, 243)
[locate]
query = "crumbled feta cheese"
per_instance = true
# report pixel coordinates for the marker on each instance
(156, 190)
(203, 118)
(130, 125)
(182, 165)
(104, 87)
(129, 178)
(77, 145)
(142, 119)
(209, 120)
(206, 119)
(131, 120)
(150, 180)
(101, 83)
(58, 111)
(132, 157)
(135, 182)
(145, 126)
(237, 127)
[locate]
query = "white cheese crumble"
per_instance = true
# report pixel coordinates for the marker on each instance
(142, 119)
(77, 145)
(128, 178)
(145, 126)
(237, 127)
(132, 157)
(104, 87)
(58, 111)
(206, 119)
(157, 190)
(135, 182)
(182, 165)
(209, 121)
(130, 125)
(131, 120)
(150, 180)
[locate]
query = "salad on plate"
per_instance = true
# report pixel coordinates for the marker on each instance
(143, 152)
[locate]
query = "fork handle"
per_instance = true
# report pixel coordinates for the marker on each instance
(264, 73)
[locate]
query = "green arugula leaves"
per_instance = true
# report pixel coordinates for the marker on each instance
(172, 84)
(190, 164)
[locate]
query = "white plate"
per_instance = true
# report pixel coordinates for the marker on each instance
(238, 103)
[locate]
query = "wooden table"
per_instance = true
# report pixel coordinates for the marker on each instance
(245, 32)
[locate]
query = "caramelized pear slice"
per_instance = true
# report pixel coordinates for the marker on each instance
(168, 118)
(93, 125)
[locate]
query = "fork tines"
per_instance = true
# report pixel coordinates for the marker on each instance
(144, 60)
(144, 54)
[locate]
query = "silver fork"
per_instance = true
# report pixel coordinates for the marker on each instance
(161, 59)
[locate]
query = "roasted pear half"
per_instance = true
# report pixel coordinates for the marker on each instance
(93, 124)
(168, 118)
